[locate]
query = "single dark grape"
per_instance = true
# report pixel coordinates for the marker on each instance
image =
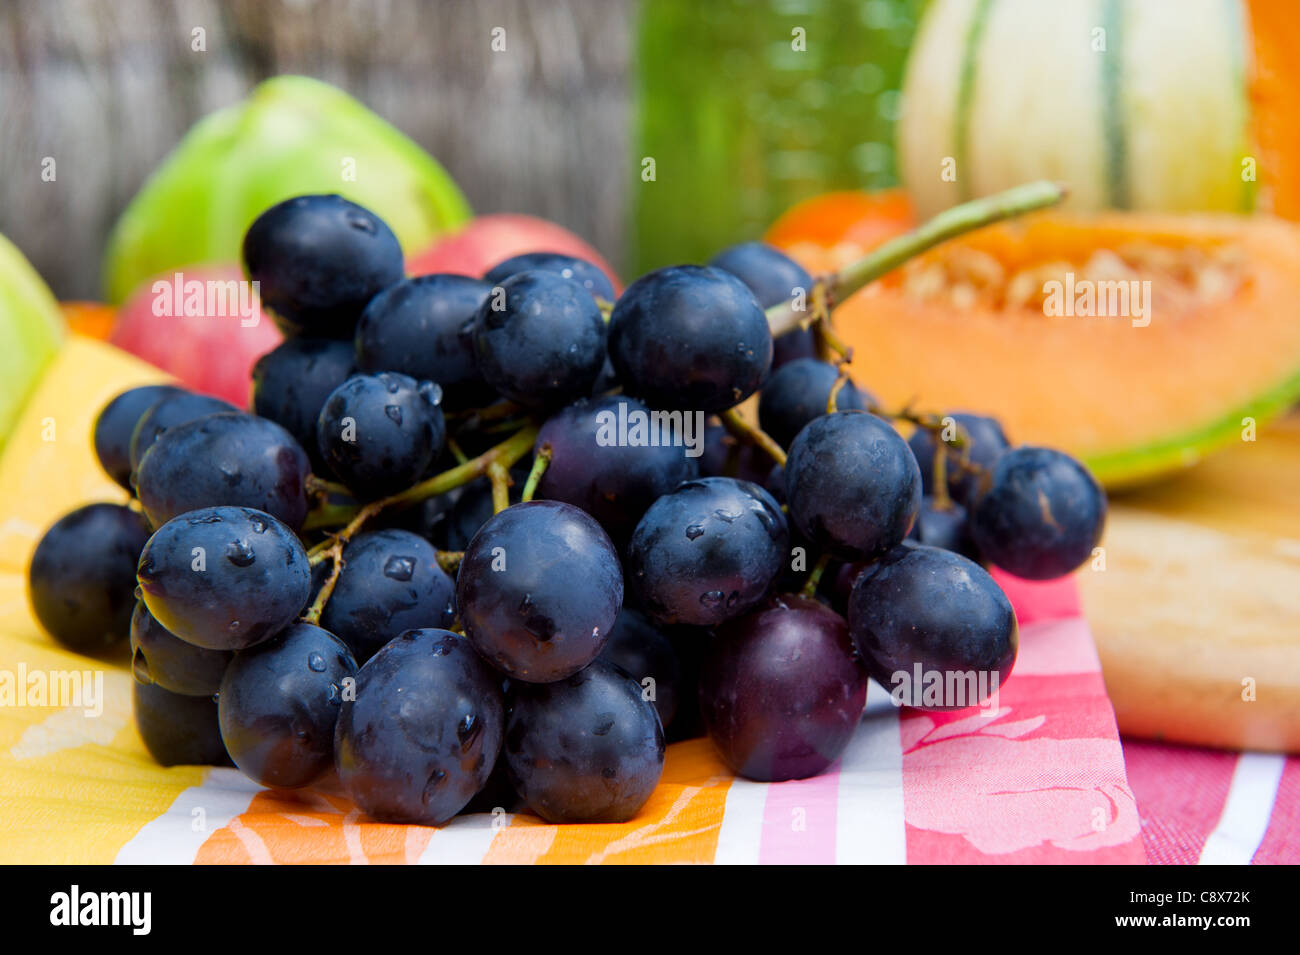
(161, 658)
(852, 485)
(116, 423)
(318, 261)
(538, 590)
(178, 730)
(797, 393)
(224, 578)
(167, 412)
(638, 646)
(82, 576)
(987, 444)
(945, 527)
(292, 381)
(279, 702)
(1042, 516)
(379, 433)
(707, 551)
(390, 583)
(773, 277)
(540, 339)
(783, 690)
(612, 479)
(935, 629)
(233, 458)
(421, 327)
(793, 345)
(593, 279)
(424, 731)
(585, 749)
(690, 337)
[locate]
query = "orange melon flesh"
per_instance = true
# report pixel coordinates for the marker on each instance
(1274, 92)
(1133, 402)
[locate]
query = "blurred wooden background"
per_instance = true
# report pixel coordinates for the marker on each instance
(107, 87)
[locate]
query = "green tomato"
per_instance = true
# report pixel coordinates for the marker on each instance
(291, 136)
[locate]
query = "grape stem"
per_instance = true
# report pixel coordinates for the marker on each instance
(541, 461)
(500, 478)
(815, 576)
(449, 560)
(493, 412)
(501, 456)
(456, 452)
(738, 426)
(785, 317)
(833, 399)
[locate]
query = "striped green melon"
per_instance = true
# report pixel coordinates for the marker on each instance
(1135, 104)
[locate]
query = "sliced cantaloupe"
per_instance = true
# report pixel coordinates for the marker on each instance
(965, 327)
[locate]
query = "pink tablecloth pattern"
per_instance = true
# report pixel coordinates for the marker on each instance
(1211, 806)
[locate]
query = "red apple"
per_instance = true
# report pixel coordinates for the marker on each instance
(203, 324)
(490, 239)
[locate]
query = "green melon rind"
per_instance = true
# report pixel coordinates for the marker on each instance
(1133, 466)
(31, 331)
(289, 137)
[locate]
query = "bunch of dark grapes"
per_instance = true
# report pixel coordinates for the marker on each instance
(491, 541)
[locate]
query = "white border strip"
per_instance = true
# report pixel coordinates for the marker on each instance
(741, 832)
(869, 828)
(1246, 811)
(465, 840)
(172, 839)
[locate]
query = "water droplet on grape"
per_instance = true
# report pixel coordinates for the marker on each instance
(431, 787)
(694, 531)
(140, 667)
(399, 568)
(394, 412)
(431, 392)
(240, 553)
(467, 730)
(316, 662)
(361, 223)
(604, 723)
(770, 522)
(712, 598)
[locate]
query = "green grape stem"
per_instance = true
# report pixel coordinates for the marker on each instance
(785, 317)
(498, 458)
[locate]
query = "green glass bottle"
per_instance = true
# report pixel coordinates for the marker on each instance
(745, 107)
